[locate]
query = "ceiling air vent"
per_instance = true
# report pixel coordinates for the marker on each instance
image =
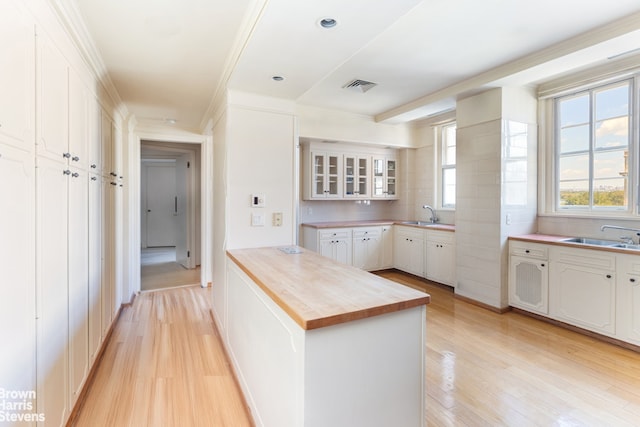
(359, 85)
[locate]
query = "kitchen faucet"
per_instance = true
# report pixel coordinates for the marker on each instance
(616, 227)
(434, 218)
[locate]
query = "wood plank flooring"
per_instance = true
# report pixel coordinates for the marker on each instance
(165, 367)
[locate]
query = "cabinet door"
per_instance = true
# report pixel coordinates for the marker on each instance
(367, 249)
(78, 248)
(529, 284)
(95, 135)
(582, 296)
(326, 181)
(17, 77)
(356, 177)
(17, 264)
(409, 253)
(53, 116)
(51, 281)
(386, 260)
(390, 174)
(629, 308)
(95, 264)
(440, 262)
(107, 292)
(78, 121)
(342, 251)
(379, 179)
(106, 134)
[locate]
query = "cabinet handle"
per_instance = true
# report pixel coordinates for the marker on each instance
(75, 174)
(632, 280)
(66, 172)
(113, 174)
(526, 251)
(93, 166)
(75, 158)
(608, 276)
(66, 155)
(113, 183)
(542, 265)
(93, 178)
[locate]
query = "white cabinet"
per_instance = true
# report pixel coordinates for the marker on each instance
(326, 176)
(628, 299)
(336, 244)
(17, 264)
(95, 266)
(529, 276)
(367, 248)
(582, 288)
(17, 77)
(52, 282)
(356, 176)
(79, 124)
(386, 260)
(384, 177)
(441, 257)
(409, 250)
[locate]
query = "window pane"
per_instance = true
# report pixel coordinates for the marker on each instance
(609, 193)
(574, 139)
(609, 164)
(574, 111)
(449, 145)
(448, 187)
(612, 133)
(573, 168)
(612, 102)
(574, 194)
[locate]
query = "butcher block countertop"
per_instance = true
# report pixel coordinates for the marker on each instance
(316, 291)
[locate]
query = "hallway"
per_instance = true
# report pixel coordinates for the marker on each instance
(159, 270)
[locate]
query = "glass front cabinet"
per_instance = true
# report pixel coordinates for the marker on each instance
(356, 177)
(326, 175)
(384, 177)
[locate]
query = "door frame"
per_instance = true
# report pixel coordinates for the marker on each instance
(133, 212)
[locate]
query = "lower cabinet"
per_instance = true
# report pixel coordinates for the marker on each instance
(367, 248)
(628, 292)
(529, 277)
(582, 289)
(336, 244)
(441, 257)
(386, 259)
(409, 250)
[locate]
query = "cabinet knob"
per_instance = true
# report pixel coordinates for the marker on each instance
(542, 265)
(75, 159)
(93, 166)
(608, 276)
(93, 178)
(66, 172)
(632, 280)
(66, 155)
(526, 251)
(75, 174)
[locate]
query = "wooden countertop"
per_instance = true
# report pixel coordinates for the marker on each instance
(316, 291)
(377, 222)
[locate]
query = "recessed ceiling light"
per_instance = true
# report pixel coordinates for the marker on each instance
(328, 22)
(170, 121)
(277, 78)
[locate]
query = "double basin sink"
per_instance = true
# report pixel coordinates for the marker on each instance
(599, 242)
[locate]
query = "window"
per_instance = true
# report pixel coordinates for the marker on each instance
(448, 165)
(592, 149)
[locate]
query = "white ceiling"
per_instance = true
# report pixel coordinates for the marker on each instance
(170, 58)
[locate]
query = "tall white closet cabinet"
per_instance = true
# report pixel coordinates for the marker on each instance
(58, 297)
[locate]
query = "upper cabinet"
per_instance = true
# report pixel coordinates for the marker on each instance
(348, 172)
(326, 176)
(385, 177)
(356, 176)
(17, 77)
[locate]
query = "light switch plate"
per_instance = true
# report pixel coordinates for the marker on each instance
(257, 220)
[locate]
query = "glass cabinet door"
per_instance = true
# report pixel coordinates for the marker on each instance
(349, 176)
(333, 176)
(363, 177)
(391, 177)
(318, 175)
(378, 177)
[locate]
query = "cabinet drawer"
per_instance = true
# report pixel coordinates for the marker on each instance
(335, 233)
(361, 232)
(526, 249)
(584, 257)
(410, 232)
(441, 236)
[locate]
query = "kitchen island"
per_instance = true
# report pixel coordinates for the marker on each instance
(317, 343)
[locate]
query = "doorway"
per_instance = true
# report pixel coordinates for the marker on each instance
(169, 214)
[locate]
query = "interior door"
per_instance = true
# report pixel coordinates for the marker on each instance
(183, 170)
(161, 205)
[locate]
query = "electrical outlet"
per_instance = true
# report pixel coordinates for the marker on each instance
(277, 219)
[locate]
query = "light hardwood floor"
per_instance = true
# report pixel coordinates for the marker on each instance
(165, 367)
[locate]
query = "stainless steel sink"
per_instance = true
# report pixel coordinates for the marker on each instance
(417, 223)
(626, 246)
(593, 242)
